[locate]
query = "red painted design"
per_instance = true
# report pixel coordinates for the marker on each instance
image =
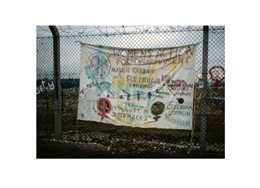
(179, 85)
(104, 109)
(216, 79)
(149, 95)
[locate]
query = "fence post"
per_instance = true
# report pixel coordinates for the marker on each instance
(205, 87)
(62, 109)
(57, 81)
(46, 97)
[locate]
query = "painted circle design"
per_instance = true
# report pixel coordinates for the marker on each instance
(99, 65)
(181, 100)
(104, 105)
(216, 79)
(157, 108)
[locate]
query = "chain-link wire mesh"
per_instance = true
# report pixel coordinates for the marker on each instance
(125, 139)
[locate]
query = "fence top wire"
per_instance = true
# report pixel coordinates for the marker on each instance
(88, 31)
(128, 37)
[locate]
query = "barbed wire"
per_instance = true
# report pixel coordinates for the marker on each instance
(70, 31)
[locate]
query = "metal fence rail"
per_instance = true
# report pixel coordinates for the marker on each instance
(209, 133)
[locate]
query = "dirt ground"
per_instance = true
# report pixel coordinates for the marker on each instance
(107, 145)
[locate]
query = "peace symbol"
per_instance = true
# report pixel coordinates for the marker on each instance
(99, 65)
(104, 106)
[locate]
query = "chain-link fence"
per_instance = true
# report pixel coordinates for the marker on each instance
(209, 97)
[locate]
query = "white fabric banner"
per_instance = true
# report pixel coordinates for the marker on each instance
(137, 87)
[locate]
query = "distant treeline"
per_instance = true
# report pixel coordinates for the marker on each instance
(74, 83)
(210, 84)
